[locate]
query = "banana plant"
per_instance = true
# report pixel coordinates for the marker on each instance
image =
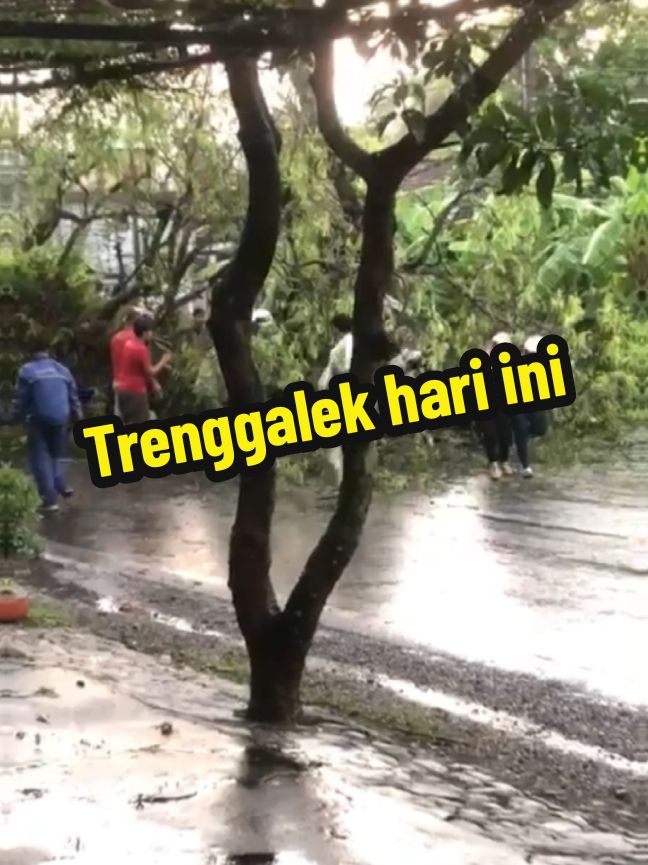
(605, 234)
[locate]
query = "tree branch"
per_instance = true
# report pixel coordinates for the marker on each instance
(399, 159)
(322, 82)
(78, 76)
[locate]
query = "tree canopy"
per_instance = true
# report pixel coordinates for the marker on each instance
(84, 43)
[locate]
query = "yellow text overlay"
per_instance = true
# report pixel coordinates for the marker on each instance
(227, 442)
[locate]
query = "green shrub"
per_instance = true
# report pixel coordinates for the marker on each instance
(19, 504)
(194, 385)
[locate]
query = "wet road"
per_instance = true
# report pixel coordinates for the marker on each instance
(94, 779)
(546, 577)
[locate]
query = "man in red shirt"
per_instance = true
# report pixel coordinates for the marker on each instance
(135, 375)
(117, 343)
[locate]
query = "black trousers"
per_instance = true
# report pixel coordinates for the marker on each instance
(498, 433)
(525, 427)
(497, 436)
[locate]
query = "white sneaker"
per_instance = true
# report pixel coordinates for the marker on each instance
(495, 471)
(50, 509)
(527, 472)
(507, 468)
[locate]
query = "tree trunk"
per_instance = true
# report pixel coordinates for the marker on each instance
(374, 278)
(278, 642)
(337, 545)
(277, 663)
(234, 293)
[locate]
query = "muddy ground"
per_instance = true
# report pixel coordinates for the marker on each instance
(604, 784)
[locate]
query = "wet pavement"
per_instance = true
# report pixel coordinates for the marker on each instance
(117, 757)
(544, 577)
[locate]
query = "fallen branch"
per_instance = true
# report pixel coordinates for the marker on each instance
(159, 800)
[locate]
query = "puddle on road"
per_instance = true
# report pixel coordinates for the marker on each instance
(110, 605)
(497, 720)
(510, 724)
(210, 795)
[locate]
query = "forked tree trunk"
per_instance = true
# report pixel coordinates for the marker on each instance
(339, 542)
(278, 641)
(278, 649)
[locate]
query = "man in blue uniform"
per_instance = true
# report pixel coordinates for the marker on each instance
(47, 401)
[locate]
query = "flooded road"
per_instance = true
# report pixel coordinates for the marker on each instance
(547, 577)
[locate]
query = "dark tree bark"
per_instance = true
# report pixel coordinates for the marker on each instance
(275, 668)
(383, 173)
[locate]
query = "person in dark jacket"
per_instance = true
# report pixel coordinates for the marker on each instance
(531, 425)
(496, 432)
(47, 401)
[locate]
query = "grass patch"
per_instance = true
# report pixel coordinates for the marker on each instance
(48, 614)
(369, 707)
(375, 708)
(230, 664)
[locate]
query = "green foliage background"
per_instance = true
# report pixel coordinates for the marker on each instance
(18, 513)
(537, 222)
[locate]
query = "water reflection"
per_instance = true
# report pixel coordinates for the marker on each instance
(274, 805)
(543, 577)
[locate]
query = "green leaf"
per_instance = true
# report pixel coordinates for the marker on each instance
(545, 123)
(415, 122)
(486, 135)
(518, 113)
(383, 122)
(419, 91)
(432, 56)
(564, 261)
(571, 166)
(511, 177)
(527, 164)
(466, 151)
(581, 206)
(400, 94)
(494, 117)
(545, 183)
(491, 155)
(593, 92)
(562, 118)
(604, 243)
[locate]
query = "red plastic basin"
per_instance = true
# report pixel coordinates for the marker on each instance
(12, 608)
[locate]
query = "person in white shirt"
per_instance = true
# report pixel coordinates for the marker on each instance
(339, 362)
(341, 354)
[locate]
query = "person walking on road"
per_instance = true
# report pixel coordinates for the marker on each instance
(531, 425)
(47, 401)
(497, 432)
(135, 376)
